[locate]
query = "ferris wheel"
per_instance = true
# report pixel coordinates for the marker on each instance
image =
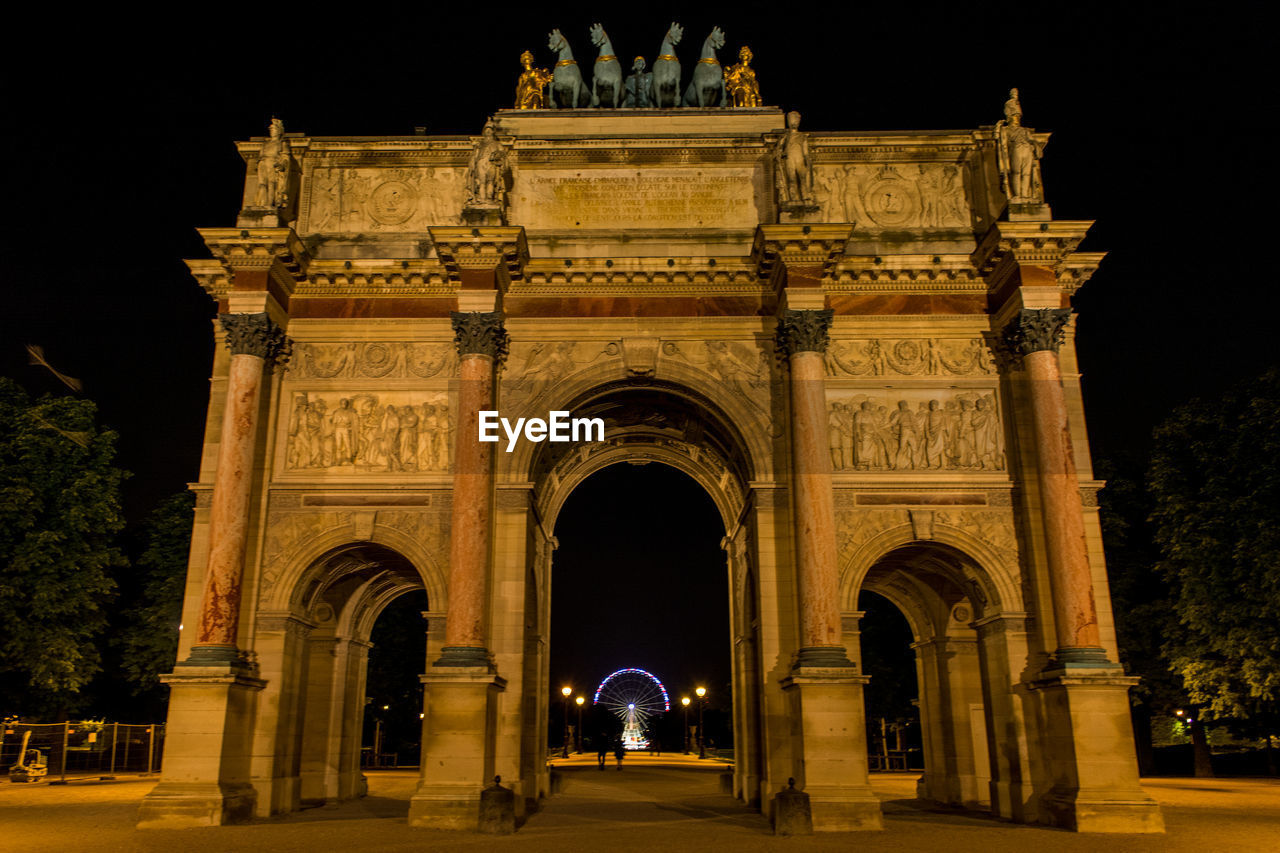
(634, 696)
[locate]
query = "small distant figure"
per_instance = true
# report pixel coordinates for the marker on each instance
(602, 750)
(655, 746)
(619, 752)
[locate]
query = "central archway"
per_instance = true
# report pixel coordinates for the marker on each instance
(669, 423)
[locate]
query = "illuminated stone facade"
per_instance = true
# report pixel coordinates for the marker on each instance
(868, 366)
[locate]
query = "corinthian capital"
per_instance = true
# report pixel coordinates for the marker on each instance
(480, 333)
(1035, 330)
(255, 334)
(804, 331)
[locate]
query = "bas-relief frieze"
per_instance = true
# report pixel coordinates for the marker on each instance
(915, 430)
(537, 366)
(363, 432)
(286, 531)
(993, 527)
(910, 357)
(894, 196)
(741, 367)
(344, 200)
(375, 360)
(652, 198)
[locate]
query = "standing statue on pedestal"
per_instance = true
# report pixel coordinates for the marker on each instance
(273, 169)
(606, 76)
(706, 89)
(568, 91)
(793, 168)
(487, 180)
(740, 81)
(639, 86)
(531, 88)
(666, 70)
(1019, 153)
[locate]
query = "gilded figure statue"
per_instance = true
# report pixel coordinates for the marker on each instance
(487, 173)
(793, 167)
(1019, 153)
(531, 88)
(273, 169)
(740, 81)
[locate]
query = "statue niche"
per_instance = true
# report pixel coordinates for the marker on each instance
(487, 177)
(793, 174)
(274, 194)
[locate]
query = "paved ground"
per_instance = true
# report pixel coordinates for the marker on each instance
(647, 805)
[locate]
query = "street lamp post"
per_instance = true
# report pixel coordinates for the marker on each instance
(580, 700)
(702, 738)
(684, 700)
(565, 691)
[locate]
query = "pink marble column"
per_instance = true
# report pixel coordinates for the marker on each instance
(802, 335)
(255, 343)
(1036, 336)
(482, 343)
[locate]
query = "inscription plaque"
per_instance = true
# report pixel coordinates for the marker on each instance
(654, 198)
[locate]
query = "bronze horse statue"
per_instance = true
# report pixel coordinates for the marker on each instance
(666, 70)
(706, 89)
(606, 77)
(568, 91)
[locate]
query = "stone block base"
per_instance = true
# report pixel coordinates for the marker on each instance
(179, 806)
(446, 807)
(842, 810)
(1096, 814)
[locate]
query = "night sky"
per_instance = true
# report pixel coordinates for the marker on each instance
(118, 146)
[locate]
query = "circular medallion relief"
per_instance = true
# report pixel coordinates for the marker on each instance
(891, 202)
(393, 202)
(961, 613)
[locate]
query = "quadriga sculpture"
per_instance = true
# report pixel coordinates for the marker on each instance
(666, 70)
(606, 76)
(706, 89)
(568, 90)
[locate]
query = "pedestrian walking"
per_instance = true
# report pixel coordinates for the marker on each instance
(602, 750)
(619, 752)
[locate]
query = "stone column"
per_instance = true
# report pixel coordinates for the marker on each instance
(802, 336)
(1035, 335)
(482, 344)
(255, 343)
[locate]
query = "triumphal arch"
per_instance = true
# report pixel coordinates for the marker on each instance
(859, 343)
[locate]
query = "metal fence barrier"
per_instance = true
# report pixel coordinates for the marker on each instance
(86, 749)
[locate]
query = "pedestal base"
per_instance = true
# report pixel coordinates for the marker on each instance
(1029, 211)
(205, 781)
(458, 733)
(484, 214)
(827, 704)
(175, 805)
(1090, 752)
(789, 212)
(260, 217)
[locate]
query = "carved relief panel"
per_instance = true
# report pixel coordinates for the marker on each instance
(915, 430)
(373, 360)
(339, 199)
(361, 432)
(910, 357)
(894, 196)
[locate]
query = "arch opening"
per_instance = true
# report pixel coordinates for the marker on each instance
(941, 594)
(640, 579)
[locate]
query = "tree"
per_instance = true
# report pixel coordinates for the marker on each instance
(1140, 600)
(1215, 483)
(59, 515)
(149, 639)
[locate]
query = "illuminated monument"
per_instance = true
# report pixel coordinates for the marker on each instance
(859, 343)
